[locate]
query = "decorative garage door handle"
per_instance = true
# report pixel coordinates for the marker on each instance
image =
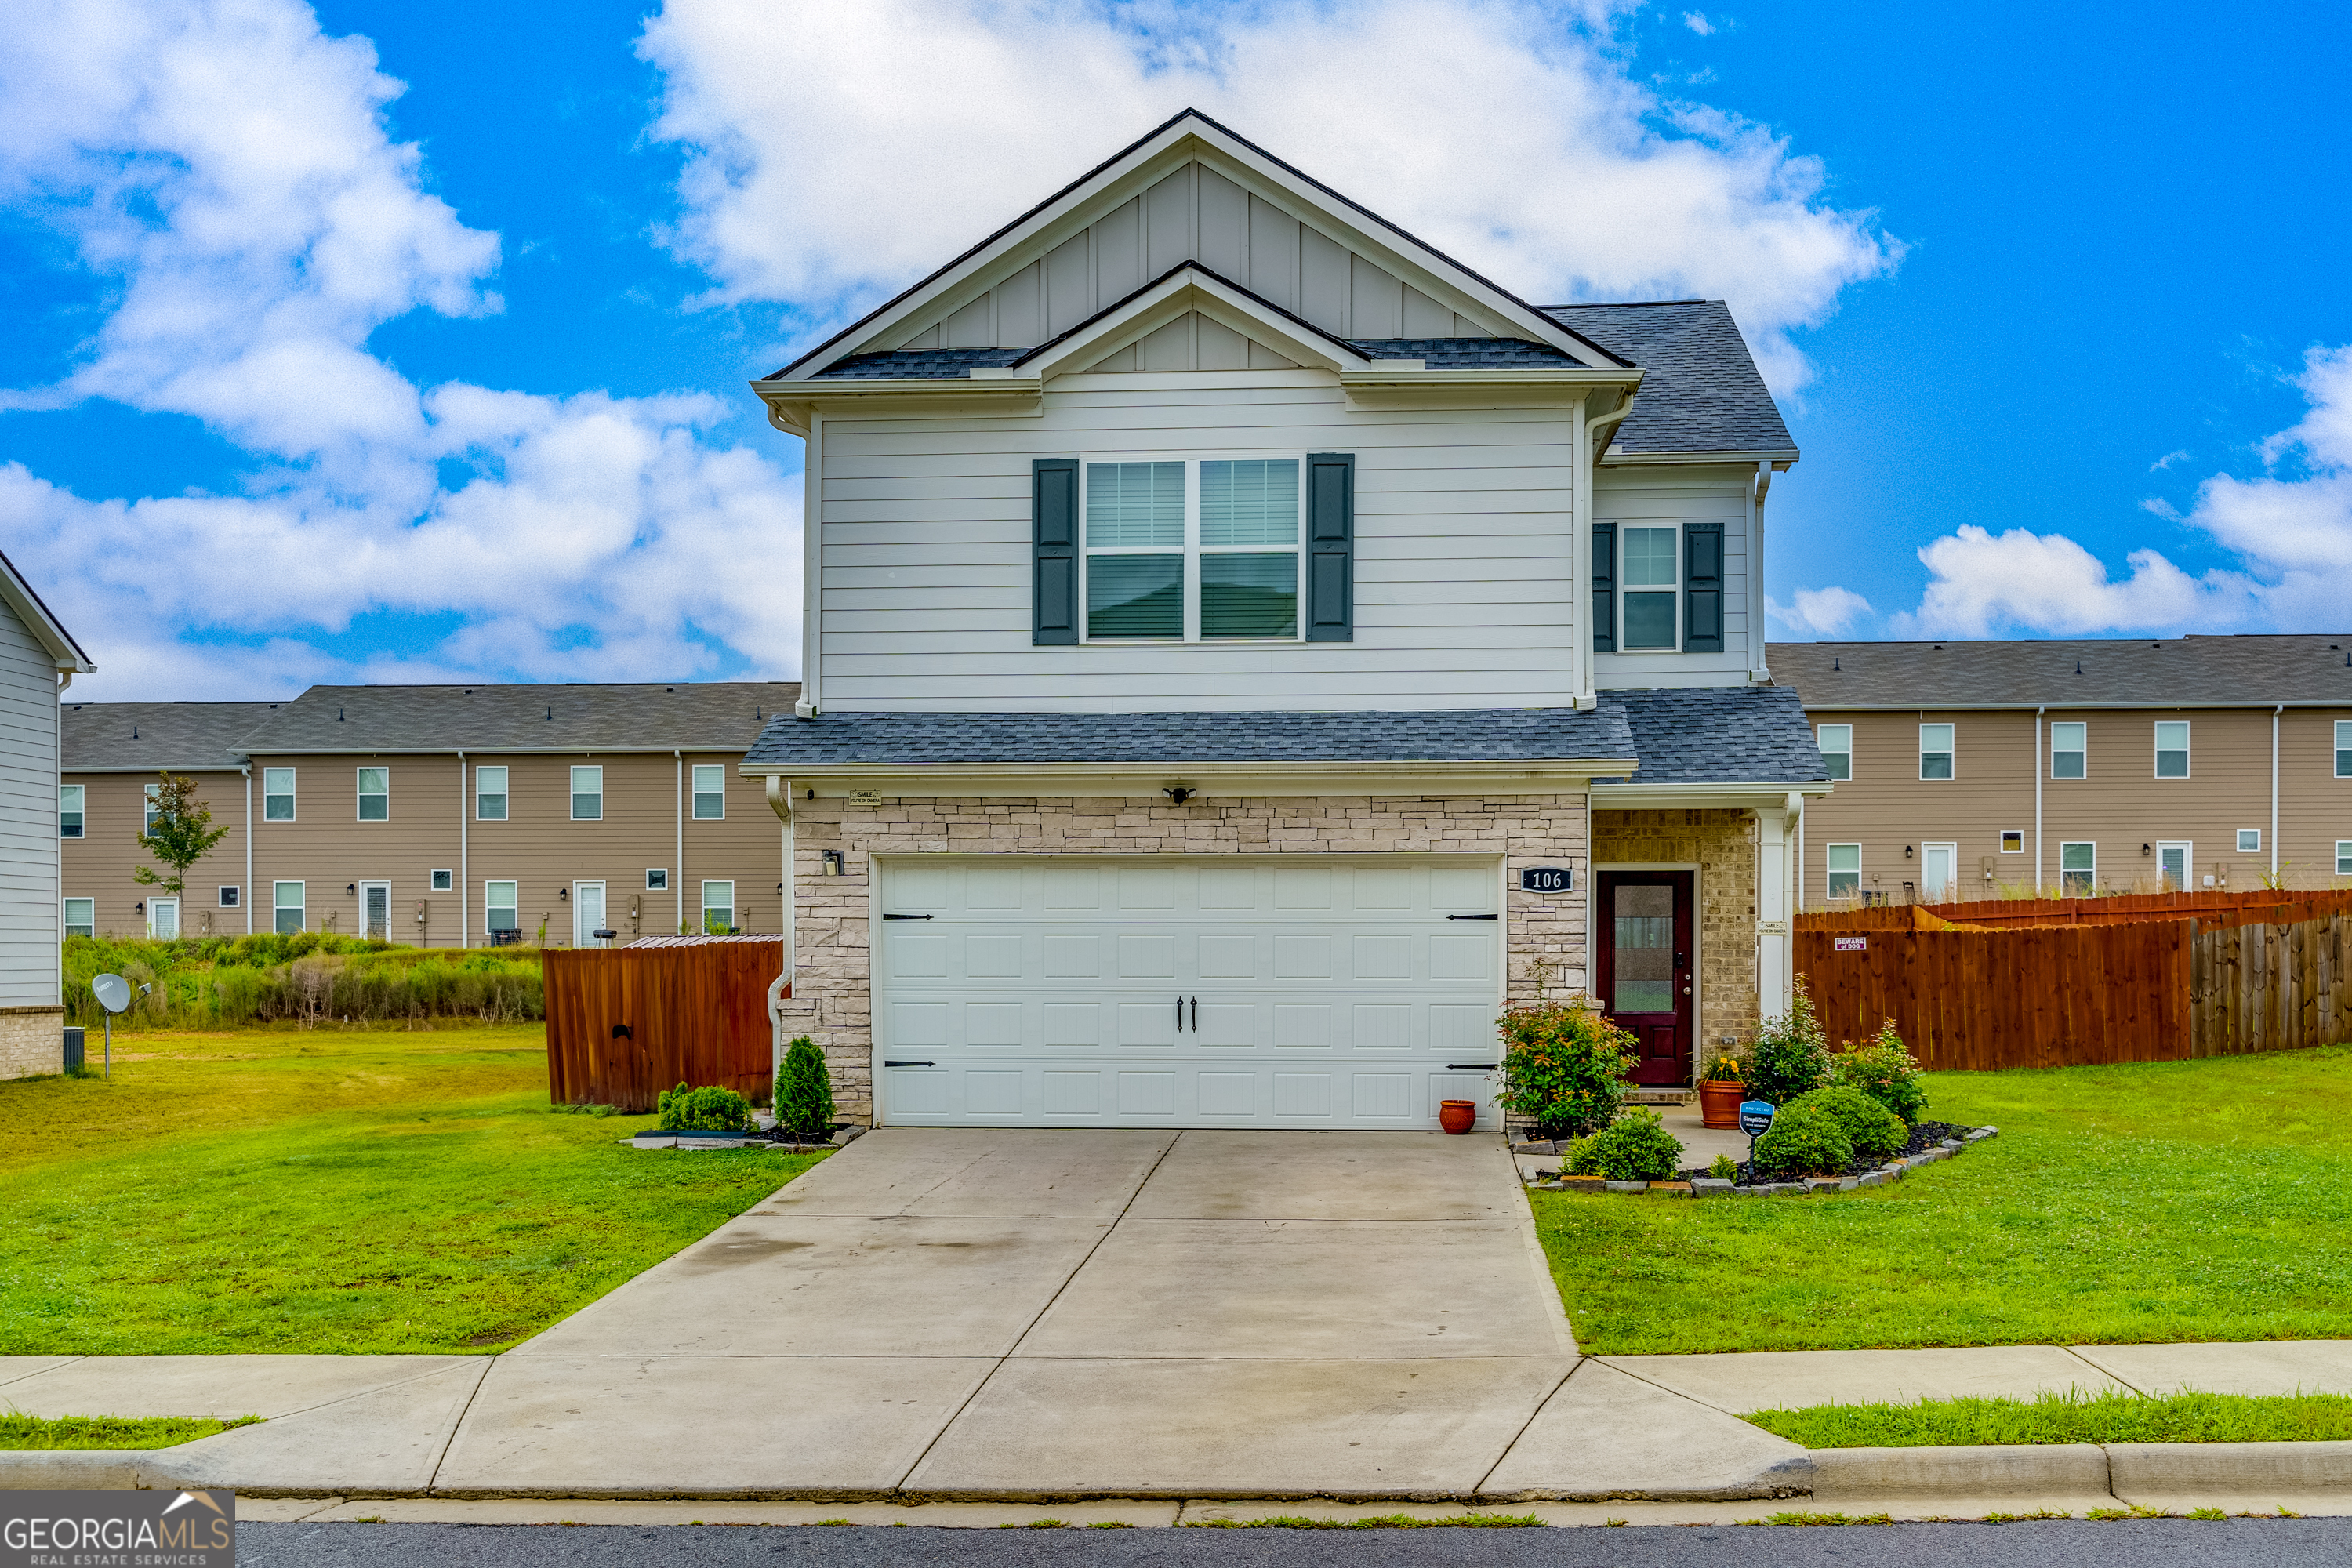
(1196, 1015)
(1449, 917)
(906, 917)
(889, 1063)
(1470, 1067)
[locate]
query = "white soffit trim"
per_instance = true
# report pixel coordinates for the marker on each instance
(1701, 796)
(1227, 780)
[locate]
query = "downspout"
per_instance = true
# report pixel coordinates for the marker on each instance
(2037, 802)
(1759, 672)
(2274, 748)
(465, 867)
(677, 894)
(247, 772)
(811, 570)
(1597, 431)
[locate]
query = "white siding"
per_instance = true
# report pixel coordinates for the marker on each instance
(1464, 587)
(1648, 497)
(28, 818)
(1195, 214)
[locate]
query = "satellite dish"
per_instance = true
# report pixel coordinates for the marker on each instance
(113, 992)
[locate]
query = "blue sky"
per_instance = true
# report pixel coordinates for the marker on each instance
(373, 341)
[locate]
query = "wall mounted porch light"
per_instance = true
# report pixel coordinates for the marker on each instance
(832, 862)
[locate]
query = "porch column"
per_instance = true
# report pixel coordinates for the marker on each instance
(1773, 885)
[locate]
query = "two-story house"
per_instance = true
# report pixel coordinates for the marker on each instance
(39, 659)
(1244, 648)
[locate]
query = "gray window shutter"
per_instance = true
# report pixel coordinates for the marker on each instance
(1703, 588)
(1053, 538)
(1604, 587)
(1330, 547)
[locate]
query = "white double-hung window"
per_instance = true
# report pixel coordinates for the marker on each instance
(1652, 586)
(1192, 550)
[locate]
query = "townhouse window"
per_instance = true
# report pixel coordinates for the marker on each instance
(81, 914)
(1845, 870)
(375, 794)
(2069, 750)
(286, 908)
(445, 881)
(2343, 748)
(1650, 590)
(2013, 841)
(2344, 857)
(2172, 748)
(1935, 751)
(278, 794)
(1202, 549)
(709, 792)
(588, 794)
(500, 900)
(2078, 870)
(154, 807)
(2250, 841)
(70, 802)
(1837, 750)
(718, 906)
(229, 897)
(490, 794)
(656, 880)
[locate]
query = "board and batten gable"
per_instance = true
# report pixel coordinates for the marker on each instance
(29, 916)
(1466, 558)
(1676, 496)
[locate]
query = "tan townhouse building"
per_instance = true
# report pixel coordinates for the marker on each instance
(437, 816)
(1975, 770)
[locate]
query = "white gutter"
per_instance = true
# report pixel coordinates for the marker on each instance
(2037, 803)
(2275, 760)
(464, 866)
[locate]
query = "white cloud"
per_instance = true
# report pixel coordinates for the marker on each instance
(225, 167)
(838, 149)
(2168, 461)
(1697, 23)
(1823, 612)
(1986, 585)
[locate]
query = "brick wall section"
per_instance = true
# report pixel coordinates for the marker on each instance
(1722, 843)
(32, 1040)
(831, 1000)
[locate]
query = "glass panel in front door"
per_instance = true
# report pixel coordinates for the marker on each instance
(1644, 967)
(2174, 860)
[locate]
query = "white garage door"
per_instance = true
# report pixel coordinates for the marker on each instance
(1086, 992)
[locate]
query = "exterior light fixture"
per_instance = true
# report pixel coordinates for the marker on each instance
(1906, 852)
(351, 887)
(2146, 850)
(832, 862)
(563, 895)
(1179, 794)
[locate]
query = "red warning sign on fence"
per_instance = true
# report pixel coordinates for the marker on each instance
(1853, 944)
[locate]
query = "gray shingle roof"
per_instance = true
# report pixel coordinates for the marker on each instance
(147, 737)
(1466, 353)
(708, 716)
(1719, 734)
(1451, 735)
(2088, 672)
(1700, 389)
(909, 364)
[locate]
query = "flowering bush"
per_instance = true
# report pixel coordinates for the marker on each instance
(1725, 1069)
(1564, 1066)
(1883, 1069)
(1790, 1055)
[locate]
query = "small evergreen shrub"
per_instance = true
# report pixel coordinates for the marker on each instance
(1790, 1055)
(1804, 1141)
(804, 1092)
(1564, 1065)
(1724, 1169)
(1883, 1069)
(706, 1110)
(1636, 1147)
(1875, 1132)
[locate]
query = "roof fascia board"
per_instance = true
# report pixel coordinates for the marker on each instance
(1023, 779)
(1780, 460)
(735, 748)
(2085, 705)
(71, 768)
(45, 627)
(1761, 795)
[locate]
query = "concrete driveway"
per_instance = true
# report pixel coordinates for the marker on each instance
(1026, 1313)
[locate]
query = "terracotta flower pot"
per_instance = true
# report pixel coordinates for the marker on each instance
(1458, 1115)
(1719, 1103)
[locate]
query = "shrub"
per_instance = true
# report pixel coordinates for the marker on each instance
(1724, 1168)
(1804, 1141)
(804, 1092)
(1564, 1065)
(1636, 1147)
(1791, 1055)
(1875, 1132)
(1883, 1069)
(706, 1110)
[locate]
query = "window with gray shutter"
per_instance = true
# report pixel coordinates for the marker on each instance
(1053, 540)
(1604, 587)
(1330, 547)
(1703, 588)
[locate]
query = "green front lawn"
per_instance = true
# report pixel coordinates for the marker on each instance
(2203, 1200)
(2070, 1417)
(331, 1190)
(20, 1432)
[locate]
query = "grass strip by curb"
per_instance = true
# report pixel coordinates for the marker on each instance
(22, 1433)
(1375, 1521)
(2073, 1417)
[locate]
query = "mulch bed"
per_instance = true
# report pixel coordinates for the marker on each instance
(1924, 1137)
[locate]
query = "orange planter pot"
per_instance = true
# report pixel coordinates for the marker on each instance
(1458, 1115)
(1719, 1103)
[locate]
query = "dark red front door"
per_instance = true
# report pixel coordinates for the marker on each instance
(1646, 968)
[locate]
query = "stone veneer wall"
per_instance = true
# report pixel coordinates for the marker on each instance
(32, 1040)
(1722, 845)
(831, 1000)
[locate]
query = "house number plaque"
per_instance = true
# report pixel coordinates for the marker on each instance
(1546, 879)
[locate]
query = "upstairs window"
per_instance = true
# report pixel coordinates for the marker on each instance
(2343, 748)
(1653, 586)
(2172, 748)
(489, 795)
(1194, 551)
(70, 798)
(2069, 750)
(1935, 751)
(1845, 870)
(278, 794)
(1837, 750)
(154, 807)
(81, 917)
(588, 794)
(375, 794)
(709, 792)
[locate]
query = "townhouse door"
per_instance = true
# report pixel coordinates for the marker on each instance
(163, 918)
(1647, 971)
(2172, 863)
(587, 914)
(1938, 863)
(376, 910)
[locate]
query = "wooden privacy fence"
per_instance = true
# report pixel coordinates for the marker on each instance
(623, 1024)
(2158, 990)
(2277, 906)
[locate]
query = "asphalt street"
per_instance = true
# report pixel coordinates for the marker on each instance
(2132, 1544)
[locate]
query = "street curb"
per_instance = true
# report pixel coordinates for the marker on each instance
(2025, 1470)
(2174, 1469)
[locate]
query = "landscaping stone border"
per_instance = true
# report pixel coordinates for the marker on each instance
(1711, 1187)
